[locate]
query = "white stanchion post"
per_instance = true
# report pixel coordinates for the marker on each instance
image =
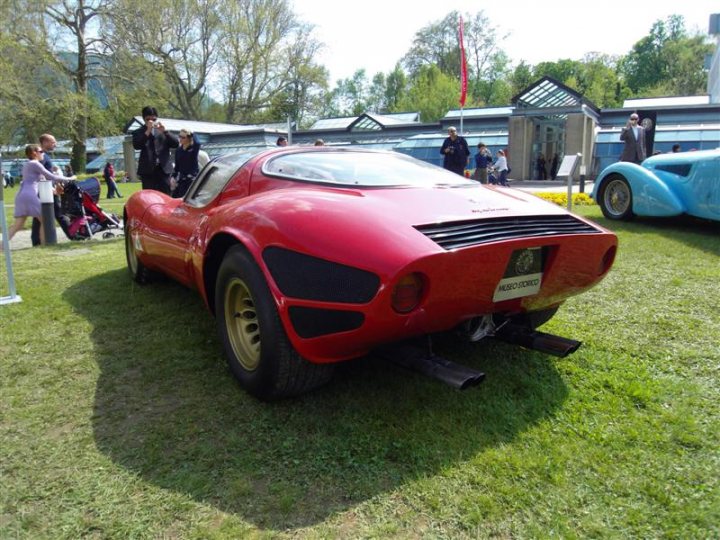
(12, 297)
(570, 176)
(48, 212)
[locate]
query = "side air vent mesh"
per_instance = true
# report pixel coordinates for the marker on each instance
(309, 278)
(312, 322)
(473, 233)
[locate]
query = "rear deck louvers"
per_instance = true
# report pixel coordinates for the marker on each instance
(482, 231)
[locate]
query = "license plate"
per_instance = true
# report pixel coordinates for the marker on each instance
(523, 275)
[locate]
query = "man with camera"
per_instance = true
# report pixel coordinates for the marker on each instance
(154, 143)
(455, 152)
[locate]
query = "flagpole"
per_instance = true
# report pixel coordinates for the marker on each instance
(463, 73)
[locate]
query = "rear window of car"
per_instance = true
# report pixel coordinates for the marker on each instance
(214, 177)
(360, 168)
(681, 169)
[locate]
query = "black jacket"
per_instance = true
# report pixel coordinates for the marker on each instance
(458, 157)
(148, 157)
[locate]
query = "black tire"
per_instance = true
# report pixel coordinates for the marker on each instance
(615, 198)
(138, 271)
(257, 349)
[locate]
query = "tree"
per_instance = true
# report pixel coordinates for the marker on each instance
(560, 70)
(22, 104)
(395, 88)
(494, 88)
(64, 35)
(431, 92)
(267, 53)
(595, 77)
(377, 94)
(685, 73)
(350, 96)
(520, 78)
(667, 60)
(178, 38)
(599, 80)
(438, 44)
(488, 63)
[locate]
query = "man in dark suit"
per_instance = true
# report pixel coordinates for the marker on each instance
(154, 143)
(633, 135)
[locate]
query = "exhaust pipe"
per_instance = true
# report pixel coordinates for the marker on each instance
(538, 341)
(427, 363)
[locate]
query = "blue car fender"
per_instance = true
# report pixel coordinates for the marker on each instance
(650, 195)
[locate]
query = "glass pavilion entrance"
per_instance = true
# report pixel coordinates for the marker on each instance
(549, 120)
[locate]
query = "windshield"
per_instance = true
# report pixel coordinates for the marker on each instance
(361, 168)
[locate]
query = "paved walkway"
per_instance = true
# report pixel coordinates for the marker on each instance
(22, 239)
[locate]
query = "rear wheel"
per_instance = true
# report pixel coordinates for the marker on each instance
(616, 198)
(257, 348)
(137, 270)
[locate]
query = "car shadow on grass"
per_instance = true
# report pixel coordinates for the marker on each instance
(168, 409)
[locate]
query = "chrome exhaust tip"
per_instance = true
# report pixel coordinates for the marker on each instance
(538, 341)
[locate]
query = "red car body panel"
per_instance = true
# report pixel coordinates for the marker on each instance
(371, 229)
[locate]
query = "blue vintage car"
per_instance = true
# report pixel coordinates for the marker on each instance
(663, 185)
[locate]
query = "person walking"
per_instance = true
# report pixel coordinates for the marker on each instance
(154, 143)
(48, 145)
(27, 200)
(455, 152)
(109, 176)
(633, 135)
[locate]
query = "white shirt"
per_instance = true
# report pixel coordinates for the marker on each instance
(501, 164)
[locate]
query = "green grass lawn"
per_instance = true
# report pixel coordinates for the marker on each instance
(119, 418)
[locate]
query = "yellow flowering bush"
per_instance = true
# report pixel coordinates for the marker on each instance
(581, 199)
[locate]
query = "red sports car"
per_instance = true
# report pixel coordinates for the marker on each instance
(309, 256)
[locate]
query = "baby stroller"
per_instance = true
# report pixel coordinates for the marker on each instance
(494, 178)
(81, 213)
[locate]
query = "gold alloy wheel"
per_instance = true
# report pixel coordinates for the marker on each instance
(132, 256)
(241, 324)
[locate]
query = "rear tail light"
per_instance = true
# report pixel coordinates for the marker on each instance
(607, 260)
(407, 293)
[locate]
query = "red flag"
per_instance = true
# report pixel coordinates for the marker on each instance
(463, 66)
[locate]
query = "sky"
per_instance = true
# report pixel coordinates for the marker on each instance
(376, 34)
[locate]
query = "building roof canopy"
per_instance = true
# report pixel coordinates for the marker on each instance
(549, 93)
